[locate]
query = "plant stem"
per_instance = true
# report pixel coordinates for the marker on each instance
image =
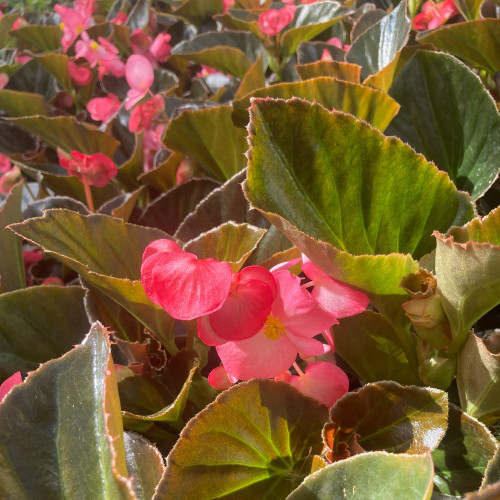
(88, 195)
(297, 369)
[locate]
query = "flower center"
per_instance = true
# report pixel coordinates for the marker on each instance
(94, 45)
(273, 328)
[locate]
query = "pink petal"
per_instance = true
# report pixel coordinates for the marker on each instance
(308, 347)
(139, 73)
(162, 245)
(207, 334)
(185, 286)
(257, 357)
(134, 96)
(8, 384)
(322, 381)
(220, 380)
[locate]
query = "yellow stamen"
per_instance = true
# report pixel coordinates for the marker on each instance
(94, 45)
(61, 26)
(79, 28)
(273, 328)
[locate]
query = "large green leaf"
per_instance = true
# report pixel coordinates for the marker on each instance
(368, 104)
(219, 147)
(67, 133)
(46, 38)
(462, 456)
(228, 51)
(342, 182)
(64, 424)
(371, 347)
(386, 416)
(335, 69)
(22, 103)
(230, 242)
(468, 274)
(111, 263)
(378, 45)
(196, 11)
(370, 475)
(12, 275)
(38, 324)
(256, 440)
(478, 379)
(457, 125)
(310, 20)
(477, 42)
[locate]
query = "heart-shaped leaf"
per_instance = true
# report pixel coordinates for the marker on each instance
(68, 404)
(457, 124)
(388, 416)
(39, 323)
(368, 104)
(477, 42)
(370, 475)
(256, 440)
(379, 44)
(463, 454)
(219, 148)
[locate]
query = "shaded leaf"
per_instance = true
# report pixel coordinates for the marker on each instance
(256, 441)
(371, 347)
(492, 474)
(219, 148)
(470, 9)
(379, 44)
(37, 207)
(477, 42)
(253, 79)
(370, 475)
(45, 38)
(230, 242)
(462, 456)
(457, 125)
(196, 12)
(335, 69)
(363, 102)
(22, 103)
(39, 323)
(34, 78)
(386, 416)
(11, 263)
(68, 404)
(163, 176)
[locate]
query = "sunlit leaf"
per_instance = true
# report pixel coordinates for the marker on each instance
(46, 38)
(22, 103)
(335, 69)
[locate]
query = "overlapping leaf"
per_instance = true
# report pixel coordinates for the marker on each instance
(22, 103)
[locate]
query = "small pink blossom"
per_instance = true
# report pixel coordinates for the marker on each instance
(140, 76)
(433, 14)
(152, 137)
(101, 109)
(104, 54)
(20, 22)
(143, 115)
(274, 20)
(8, 384)
(79, 74)
(160, 48)
(9, 179)
(219, 379)
(96, 170)
(185, 286)
(74, 20)
(226, 5)
(140, 42)
(120, 19)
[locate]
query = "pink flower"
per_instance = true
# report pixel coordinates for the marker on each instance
(322, 381)
(294, 320)
(220, 380)
(4, 80)
(74, 20)
(140, 42)
(140, 76)
(120, 19)
(336, 298)
(5, 165)
(30, 258)
(226, 5)
(8, 384)
(434, 15)
(9, 179)
(160, 48)
(101, 109)
(20, 22)
(152, 137)
(143, 115)
(185, 286)
(274, 20)
(104, 53)
(245, 309)
(96, 170)
(79, 74)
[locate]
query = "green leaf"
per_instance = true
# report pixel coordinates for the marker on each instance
(68, 405)
(34, 78)
(253, 79)
(457, 125)
(196, 11)
(12, 275)
(39, 323)
(378, 45)
(228, 51)
(492, 474)
(335, 69)
(371, 347)
(67, 133)
(230, 242)
(46, 38)
(144, 464)
(219, 148)
(461, 458)
(477, 42)
(256, 440)
(478, 379)
(57, 66)
(470, 9)
(368, 104)
(78, 241)
(168, 210)
(361, 192)
(386, 416)
(468, 281)
(481, 230)
(370, 475)
(22, 103)
(6, 23)
(309, 21)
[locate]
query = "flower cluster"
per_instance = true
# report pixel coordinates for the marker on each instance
(434, 14)
(259, 320)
